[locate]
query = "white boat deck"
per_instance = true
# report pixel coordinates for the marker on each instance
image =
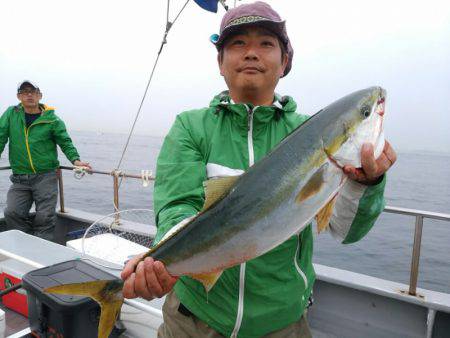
(347, 304)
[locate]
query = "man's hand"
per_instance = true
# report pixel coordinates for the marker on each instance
(79, 163)
(372, 169)
(150, 280)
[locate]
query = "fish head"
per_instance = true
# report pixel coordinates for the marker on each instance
(358, 120)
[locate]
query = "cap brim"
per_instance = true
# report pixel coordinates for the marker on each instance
(275, 27)
(25, 84)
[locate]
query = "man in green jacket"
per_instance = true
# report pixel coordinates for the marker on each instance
(266, 296)
(33, 131)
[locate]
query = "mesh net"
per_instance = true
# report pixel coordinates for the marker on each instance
(115, 238)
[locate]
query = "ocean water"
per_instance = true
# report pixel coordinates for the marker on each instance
(418, 180)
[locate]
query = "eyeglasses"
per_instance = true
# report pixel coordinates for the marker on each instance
(28, 91)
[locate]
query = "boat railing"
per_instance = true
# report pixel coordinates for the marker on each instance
(115, 174)
(419, 215)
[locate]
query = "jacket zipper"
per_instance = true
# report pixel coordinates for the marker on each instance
(27, 131)
(251, 161)
(240, 311)
(251, 154)
(299, 270)
(28, 149)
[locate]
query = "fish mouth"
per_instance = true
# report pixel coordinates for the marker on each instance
(380, 106)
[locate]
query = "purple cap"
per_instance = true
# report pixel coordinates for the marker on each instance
(255, 14)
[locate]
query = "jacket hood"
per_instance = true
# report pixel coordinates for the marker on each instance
(47, 111)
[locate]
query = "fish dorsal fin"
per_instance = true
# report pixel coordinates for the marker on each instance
(207, 279)
(216, 188)
(324, 215)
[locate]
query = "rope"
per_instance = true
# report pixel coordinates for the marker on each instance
(168, 11)
(118, 174)
(79, 172)
(146, 174)
(182, 9)
(163, 42)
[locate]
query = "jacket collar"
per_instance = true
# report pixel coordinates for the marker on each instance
(44, 108)
(47, 113)
(262, 114)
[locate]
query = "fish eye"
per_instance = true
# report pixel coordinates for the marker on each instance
(365, 111)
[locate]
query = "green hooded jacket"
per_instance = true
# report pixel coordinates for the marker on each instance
(33, 150)
(270, 292)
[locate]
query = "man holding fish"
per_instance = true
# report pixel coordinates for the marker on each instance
(267, 295)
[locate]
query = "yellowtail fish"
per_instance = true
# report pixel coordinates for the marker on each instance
(248, 215)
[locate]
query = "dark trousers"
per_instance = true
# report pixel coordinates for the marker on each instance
(42, 189)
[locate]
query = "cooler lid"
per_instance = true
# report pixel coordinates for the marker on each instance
(75, 271)
(15, 268)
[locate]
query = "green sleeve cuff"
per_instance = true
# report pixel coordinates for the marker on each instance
(370, 206)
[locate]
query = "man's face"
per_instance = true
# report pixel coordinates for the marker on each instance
(252, 61)
(29, 96)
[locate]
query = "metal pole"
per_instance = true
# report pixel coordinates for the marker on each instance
(416, 255)
(144, 307)
(109, 173)
(116, 195)
(61, 190)
(430, 322)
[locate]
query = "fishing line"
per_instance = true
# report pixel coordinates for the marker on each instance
(169, 25)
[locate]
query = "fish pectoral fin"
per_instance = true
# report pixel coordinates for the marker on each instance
(90, 289)
(207, 279)
(108, 316)
(216, 188)
(324, 215)
(313, 186)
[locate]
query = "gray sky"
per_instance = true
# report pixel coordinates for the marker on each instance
(92, 60)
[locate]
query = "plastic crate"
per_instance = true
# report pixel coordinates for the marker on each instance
(54, 315)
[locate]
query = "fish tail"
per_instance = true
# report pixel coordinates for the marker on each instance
(107, 293)
(90, 289)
